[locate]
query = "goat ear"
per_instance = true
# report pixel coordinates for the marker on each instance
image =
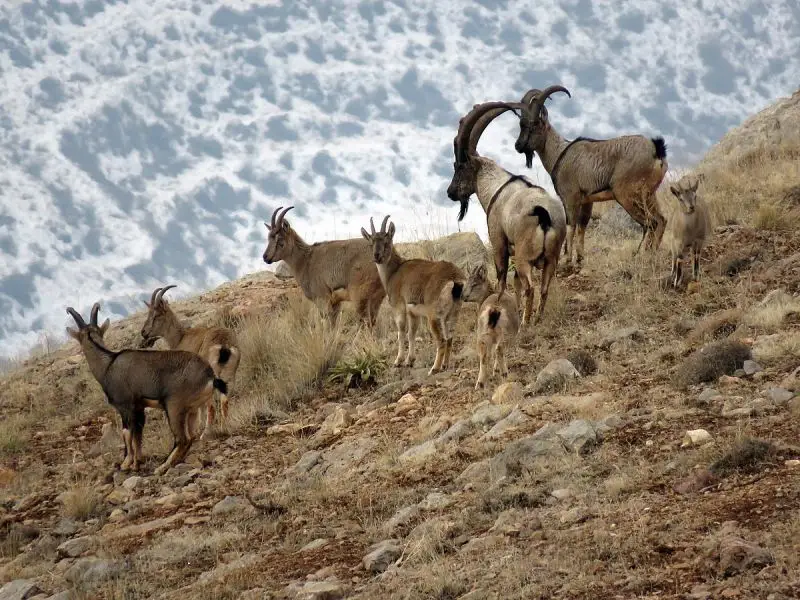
(73, 333)
(267, 226)
(104, 326)
(675, 191)
(366, 235)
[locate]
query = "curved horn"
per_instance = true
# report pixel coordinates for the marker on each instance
(93, 314)
(530, 95)
(153, 297)
(164, 289)
(537, 102)
(283, 215)
(274, 214)
(372, 226)
(78, 319)
(383, 225)
(466, 142)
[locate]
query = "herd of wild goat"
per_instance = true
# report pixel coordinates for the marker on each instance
(523, 221)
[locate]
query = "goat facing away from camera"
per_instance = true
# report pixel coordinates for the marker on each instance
(418, 288)
(179, 382)
(329, 272)
(627, 169)
(217, 345)
(690, 227)
(522, 217)
(497, 325)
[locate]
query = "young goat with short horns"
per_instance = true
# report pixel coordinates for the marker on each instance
(418, 288)
(217, 345)
(690, 226)
(627, 169)
(521, 217)
(179, 382)
(328, 272)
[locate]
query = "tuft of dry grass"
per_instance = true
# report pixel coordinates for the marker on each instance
(583, 361)
(771, 313)
(746, 455)
(14, 434)
(81, 502)
(716, 325)
(710, 362)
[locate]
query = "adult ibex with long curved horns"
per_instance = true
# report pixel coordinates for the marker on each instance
(328, 272)
(627, 169)
(217, 345)
(521, 217)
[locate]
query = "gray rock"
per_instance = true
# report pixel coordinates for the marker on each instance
(514, 419)
(88, 571)
(561, 494)
(420, 452)
(626, 333)
(307, 461)
(321, 590)
(779, 395)
(436, 501)
(580, 436)
(556, 374)
(19, 589)
(75, 547)
(314, 545)
(489, 414)
(521, 455)
(232, 505)
(457, 431)
(402, 517)
(751, 367)
(131, 483)
(66, 527)
(382, 555)
(707, 395)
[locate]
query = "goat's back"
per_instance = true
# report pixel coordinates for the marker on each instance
(518, 212)
(420, 281)
(507, 324)
(201, 340)
(156, 374)
(338, 264)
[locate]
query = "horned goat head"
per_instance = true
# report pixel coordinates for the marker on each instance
(533, 121)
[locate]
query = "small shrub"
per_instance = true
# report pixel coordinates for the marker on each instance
(745, 456)
(360, 370)
(583, 362)
(14, 435)
(710, 362)
(81, 503)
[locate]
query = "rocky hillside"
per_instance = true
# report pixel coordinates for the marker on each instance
(645, 444)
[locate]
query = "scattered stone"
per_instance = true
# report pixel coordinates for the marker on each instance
(561, 494)
(314, 545)
(575, 516)
(66, 527)
(732, 554)
(751, 367)
(307, 461)
(520, 456)
(516, 523)
(75, 547)
(738, 413)
(507, 393)
(118, 496)
(382, 555)
(620, 335)
(580, 436)
(436, 501)
(457, 432)
(420, 452)
(792, 463)
(554, 376)
(696, 437)
(488, 414)
(222, 571)
(232, 505)
(298, 429)
(707, 395)
(131, 483)
(117, 515)
(515, 418)
(696, 482)
(321, 590)
(19, 589)
(406, 404)
(779, 395)
(88, 571)
(403, 517)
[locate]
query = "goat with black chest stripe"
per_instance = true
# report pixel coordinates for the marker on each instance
(522, 217)
(179, 382)
(329, 272)
(217, 345)
(418, 288)
(627, 169)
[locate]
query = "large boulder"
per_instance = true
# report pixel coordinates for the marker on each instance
(464, 249)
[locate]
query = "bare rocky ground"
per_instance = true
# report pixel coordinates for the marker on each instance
(585, 479)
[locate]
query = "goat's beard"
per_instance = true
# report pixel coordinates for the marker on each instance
(528, 158)
(462, 212)
(147, 342)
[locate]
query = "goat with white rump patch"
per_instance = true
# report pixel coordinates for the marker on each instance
(418, 288)
(177, 381)
(522, 217)
(328, 272)
(498, 323)
(627, 169)
(217, 345)
(690, 227)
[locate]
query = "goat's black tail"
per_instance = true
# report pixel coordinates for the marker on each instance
(545, 222)
(494, 317)
(661, 147)
(458, 289)
(220, 386)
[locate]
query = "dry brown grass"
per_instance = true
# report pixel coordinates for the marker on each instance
(81, 502)
(711, 362)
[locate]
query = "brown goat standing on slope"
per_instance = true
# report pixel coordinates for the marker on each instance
(418, 288)
(217, 345)
(330, 272)
(179, 382)
(627, 169)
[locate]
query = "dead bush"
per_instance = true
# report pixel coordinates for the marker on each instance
(710, 362)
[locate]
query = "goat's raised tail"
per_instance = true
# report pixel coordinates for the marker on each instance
(493, 317)
(661, 147)
(220, 386)
(545, 223)
(458, 289)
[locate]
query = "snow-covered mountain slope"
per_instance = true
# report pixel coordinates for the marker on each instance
(144, 142)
